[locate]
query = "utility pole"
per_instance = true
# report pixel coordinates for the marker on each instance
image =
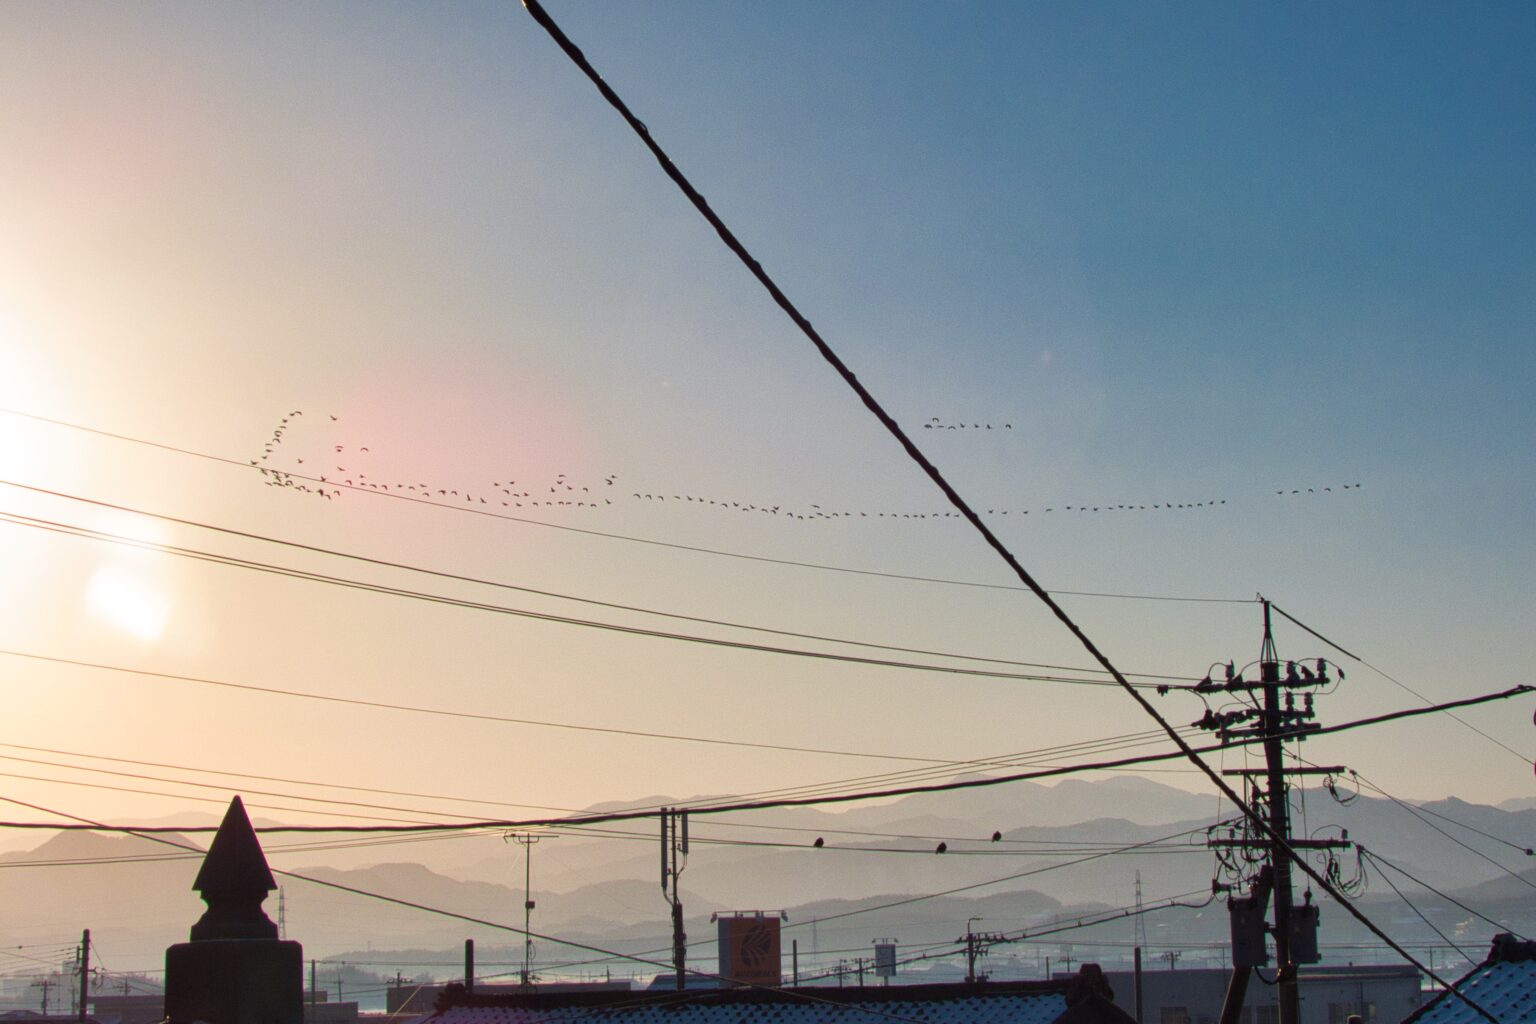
(970, 952)
(1273, 715)
(674, 857)
(85, 969)
(976, 946)
(1140, 937)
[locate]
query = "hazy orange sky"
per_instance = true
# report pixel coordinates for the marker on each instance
(1178, 256)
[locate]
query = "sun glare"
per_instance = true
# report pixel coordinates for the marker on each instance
(127, 602)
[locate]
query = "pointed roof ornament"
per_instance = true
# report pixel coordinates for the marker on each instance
(233, 881)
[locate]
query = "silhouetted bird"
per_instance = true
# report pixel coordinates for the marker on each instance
(997, 837)
(819, 843)
(941, 848)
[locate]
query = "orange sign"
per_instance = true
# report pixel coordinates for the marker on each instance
(749, 950)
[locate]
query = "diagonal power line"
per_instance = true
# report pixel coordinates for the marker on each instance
(869, 401)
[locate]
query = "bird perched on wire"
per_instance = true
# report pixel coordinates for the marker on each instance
(941, 848)
(819, 843)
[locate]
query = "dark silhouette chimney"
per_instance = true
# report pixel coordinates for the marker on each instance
(235, 970)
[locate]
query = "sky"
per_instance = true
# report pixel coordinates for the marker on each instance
(1268, 265)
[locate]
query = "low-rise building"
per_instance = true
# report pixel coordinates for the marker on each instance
(1328, 995)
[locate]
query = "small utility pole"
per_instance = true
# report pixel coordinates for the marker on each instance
(970, 952)
(1136, 976)
(674, 857)
(976, 946)
(85, 969)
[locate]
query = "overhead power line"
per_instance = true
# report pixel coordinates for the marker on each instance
(728, 807)
(989, 847)
(649, 541)
(348, 583)
(940, 894)
(482, 922)
(1423, 815)
(1401, 685)
(536, 10)
(1381, 861)
(502, 585)
(477, 715)
(1019, 758)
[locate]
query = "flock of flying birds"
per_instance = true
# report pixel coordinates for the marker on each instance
(328, 478)
(937, 424)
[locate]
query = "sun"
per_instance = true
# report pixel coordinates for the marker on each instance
(129, 602)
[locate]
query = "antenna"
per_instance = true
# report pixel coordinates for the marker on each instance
(527, 840)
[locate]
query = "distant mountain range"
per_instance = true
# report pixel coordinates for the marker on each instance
(1053, 860)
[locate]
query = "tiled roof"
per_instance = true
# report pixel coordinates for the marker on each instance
(1504, 985)
(1040, 1004)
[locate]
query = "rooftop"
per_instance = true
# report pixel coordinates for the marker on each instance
(1504, 985)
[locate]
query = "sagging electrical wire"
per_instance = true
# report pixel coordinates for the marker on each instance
(348, 583)
(1380, 861)
(733, 806)
(502, 585)
(573, 52)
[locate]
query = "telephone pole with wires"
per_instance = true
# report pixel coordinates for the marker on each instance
(1268, 710)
